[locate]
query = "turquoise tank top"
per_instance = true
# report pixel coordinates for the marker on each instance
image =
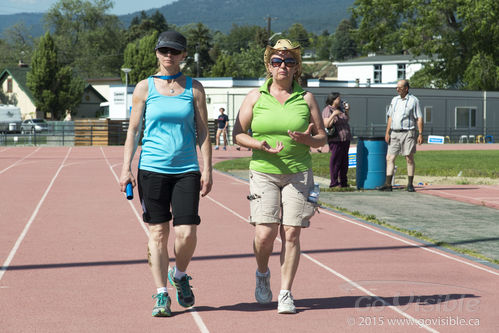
(271, 122)
(169, 142)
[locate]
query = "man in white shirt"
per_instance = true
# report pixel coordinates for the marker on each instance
(404, 115)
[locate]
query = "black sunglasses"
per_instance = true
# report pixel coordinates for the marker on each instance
(166, 50)
(288, 62)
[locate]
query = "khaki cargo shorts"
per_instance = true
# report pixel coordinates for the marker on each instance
(402, 143)
(281, 199)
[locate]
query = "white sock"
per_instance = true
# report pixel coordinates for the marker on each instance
(178, 274)
(282, 292)
(263, 274)
(162, 290)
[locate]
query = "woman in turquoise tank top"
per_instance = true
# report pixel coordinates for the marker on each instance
(169, 174)
(286, 122)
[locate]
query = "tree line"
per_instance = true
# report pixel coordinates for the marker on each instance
(83, 41)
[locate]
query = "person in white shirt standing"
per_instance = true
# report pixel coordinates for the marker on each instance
(404, 115)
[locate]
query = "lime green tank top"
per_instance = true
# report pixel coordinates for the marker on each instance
(271, 122)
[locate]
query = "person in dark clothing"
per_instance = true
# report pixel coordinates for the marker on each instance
(336, 112)
(223, 123)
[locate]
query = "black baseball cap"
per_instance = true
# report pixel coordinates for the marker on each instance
(172, 39)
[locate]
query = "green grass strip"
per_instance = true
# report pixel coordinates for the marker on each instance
(463, 163)
(452, 163)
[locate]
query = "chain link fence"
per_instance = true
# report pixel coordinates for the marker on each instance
(89, 132)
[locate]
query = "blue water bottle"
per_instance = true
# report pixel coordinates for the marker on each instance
(129, 191)
(313, 196)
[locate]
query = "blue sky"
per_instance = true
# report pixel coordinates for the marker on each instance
(39, 6)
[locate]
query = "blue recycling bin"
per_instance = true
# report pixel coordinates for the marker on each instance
(371, 162)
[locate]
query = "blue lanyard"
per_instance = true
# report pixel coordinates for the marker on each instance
(168, 77)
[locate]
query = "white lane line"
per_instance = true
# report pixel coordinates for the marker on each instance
(19, 161)
(227, 208)
(137, 215)
(343, 277)
(195, 315)
(422, 247)
(12, 253)
(359, 287)
(199, 321)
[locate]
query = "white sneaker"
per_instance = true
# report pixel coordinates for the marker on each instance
(286, 303)
(263, 294)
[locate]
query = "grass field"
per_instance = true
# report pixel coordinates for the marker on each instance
(453, 163)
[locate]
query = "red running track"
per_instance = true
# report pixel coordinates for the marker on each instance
(74, 260)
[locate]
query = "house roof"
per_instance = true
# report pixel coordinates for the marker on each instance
(380, 59)
(19, 75)
(320, 69)
(104, 80)
(90, 88)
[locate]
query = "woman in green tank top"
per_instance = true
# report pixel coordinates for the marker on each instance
(286, 122)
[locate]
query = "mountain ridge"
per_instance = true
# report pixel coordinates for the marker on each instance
(315, 15)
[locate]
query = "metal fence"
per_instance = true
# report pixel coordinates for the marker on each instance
(57, 134)
(451, 135)
(110, 132)
(69, 133)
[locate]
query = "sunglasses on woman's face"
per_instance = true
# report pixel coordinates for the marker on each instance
(288, 62)
(166, 50)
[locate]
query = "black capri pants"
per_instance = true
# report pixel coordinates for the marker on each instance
(158, 192)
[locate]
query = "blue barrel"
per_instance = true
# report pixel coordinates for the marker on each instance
(371, 162)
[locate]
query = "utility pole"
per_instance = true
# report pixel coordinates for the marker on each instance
(269, 21)
(196, 59)
(126, 71)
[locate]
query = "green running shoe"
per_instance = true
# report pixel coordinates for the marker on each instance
(162, 306)
(185, 296)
